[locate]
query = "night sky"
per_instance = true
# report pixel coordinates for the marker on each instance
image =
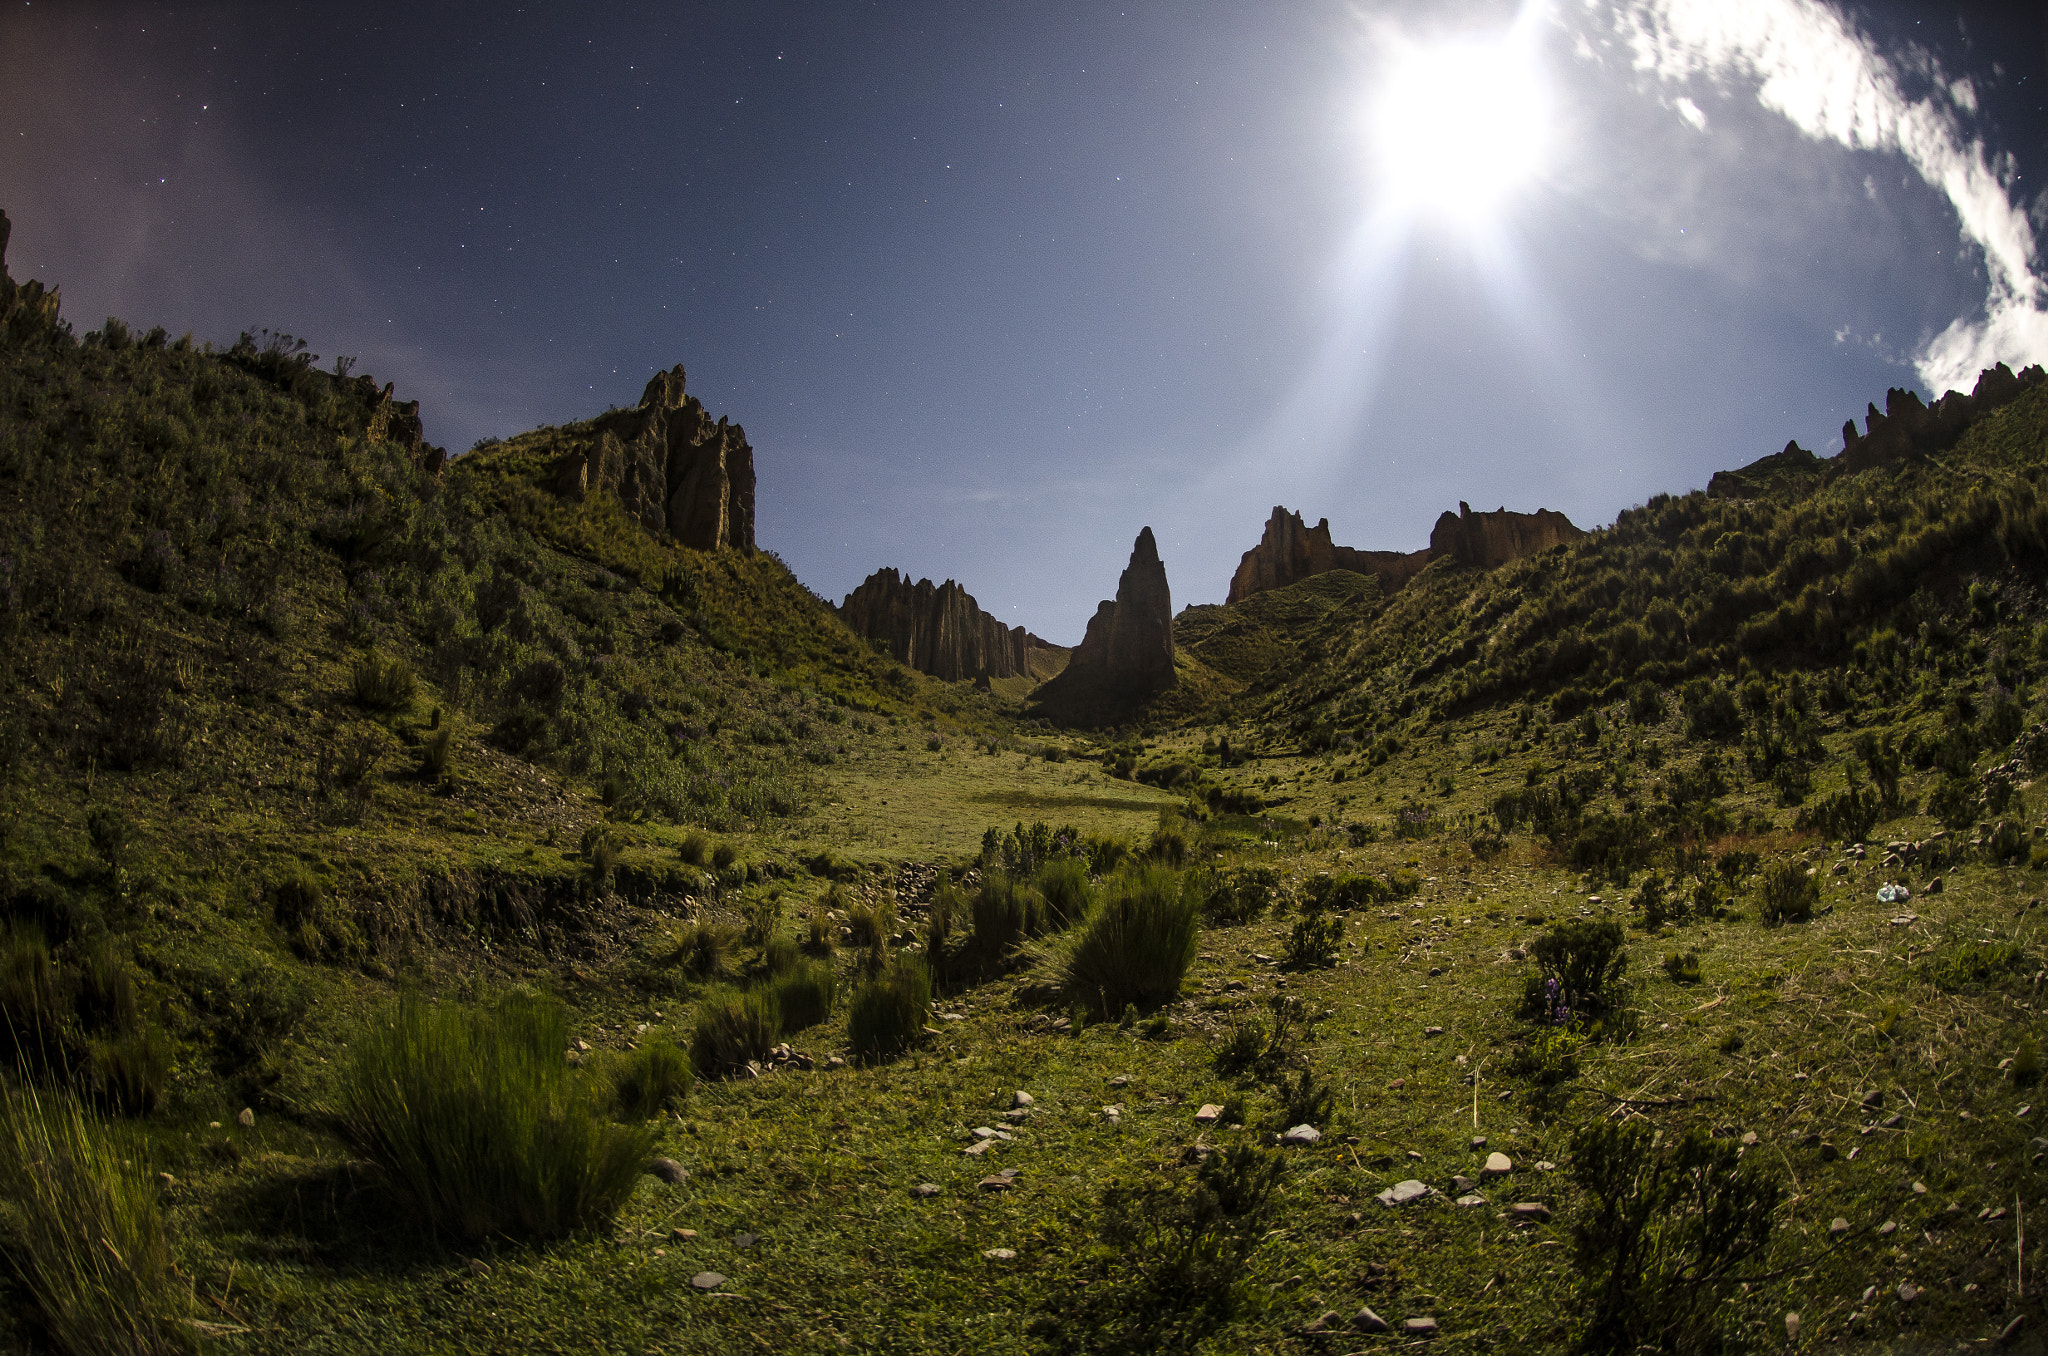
(993, 286)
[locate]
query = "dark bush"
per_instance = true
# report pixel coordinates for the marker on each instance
(651, 1079)
(1787, 894)
(1585, 962)
(1136, 946)
(734, 1029)
(1314, 942)
(383, 684)
(887, 1015)
(1063, 884)
(804, 993)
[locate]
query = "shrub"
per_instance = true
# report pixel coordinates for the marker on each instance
(723, 856)
(1239, 898)
(819, 937)
(695, 849)
(947, 906)
(733, 1030)
(1313, 943)
(706, 949)
(1063, 883)
(1306, 1099)
(1683, 969)
(872, 922)
(478, 1124)
(780, 955)
(1552, 1057)
(1787, 894)
(383, 684)
(112, 836)
(1664, 1235)
(651, 1079)
(804, 994)
(887, 1015)
(89, 1235)
(764, 917)
(1136, 946)
(1006, 914)
(1170, 842)
(435, 753)
(1580, 965)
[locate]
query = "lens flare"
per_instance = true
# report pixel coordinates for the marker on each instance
(1460, 124)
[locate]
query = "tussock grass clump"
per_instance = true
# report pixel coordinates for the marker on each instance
(476, 1122)
(1134, 948)
(803, 994)
(651, 1079)
(90, 1242)
(1007, 913)
(1063, 883)
(888, 1012)
(819, 937)
(706, 949)
(1313, 943)
(1171, 842)
(872, 922)
(734, 1028)
(437, 753)
(382, 684)
(1788, 894)
(695, 849)
(32, 998)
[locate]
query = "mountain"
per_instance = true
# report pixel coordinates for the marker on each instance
(1289, 552)
(1126, 657)
(943, 632)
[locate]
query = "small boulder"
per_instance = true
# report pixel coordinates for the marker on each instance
(1365, 1320)
(1471, 1198)
(996, 1183)
(670, 1171)
(1209, 1114)
(1535, 1211)
(1419, 1327)
(1497, 1165)
(1432, 1031)
(706, 1280)
(682, 1235)
(1401, 1193)
(1839, 1227)
(1000, 1254)
(247, 1119)
(1020, 1099)
(925, 1189)
(1301, 1136)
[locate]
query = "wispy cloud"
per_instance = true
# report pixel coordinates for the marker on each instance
(1812, 66)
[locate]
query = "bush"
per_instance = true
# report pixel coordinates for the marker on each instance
(1552, 1057)
(1241, 897)
(1313, 943)
(819, 937)
(1006, 914)
(476, 1122)
(887, 1015)
(89, 1238)
(872, 922)
(723, 856)
(1170, 843)
(1136, 946)
(1787, 894)
(695, 849)
(436, 753)
(1683, 969)
(1664, 1235)
(733, 1030)
(1063, 883)
(804, 994)
(651, 1079)
(130, 1071)
(1580, 965)
(706, 949)
(383, 684)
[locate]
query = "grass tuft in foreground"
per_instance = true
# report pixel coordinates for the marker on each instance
(90, 1246)
(476, 1120)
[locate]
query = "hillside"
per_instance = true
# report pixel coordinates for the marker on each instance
(464, 917)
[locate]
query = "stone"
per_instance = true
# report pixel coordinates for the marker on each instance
(1908, 1292)
(835, 1062)
(1126, 656)
(1463, 1183)
(670, 1171)
(669, 467)
(1497, 1165)
(1209, 1114)
(1893, 1121)
(706, 1280)
(1430, 1031)
(1120, 1081)
(246, 1119)
(1909, 428)
(1471, 1198)
(745, 1241)
(942, 631)
(1478, 1142)
(1545, 1165)
(1749, 1139)
(1839, 1227)
(682, 1235)
(1828, 1152)
(1021, 1099)
(999, 1182)
(1401, 1193)
(1415, 1155)
(1873, 1099)
(1919, 1188)
(1323, 1323)
(1791, 1327)
(924, 1190)
(1936, 886)
(1887, 1229)
(1423, 1326)
(1530, 1210)
(980, 1146)
(1301, 1136)
(1000, 1254)
(1365, 1320)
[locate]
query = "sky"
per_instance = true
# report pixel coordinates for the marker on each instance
(991, 287)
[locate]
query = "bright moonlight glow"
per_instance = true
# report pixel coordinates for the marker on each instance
(1460, 125)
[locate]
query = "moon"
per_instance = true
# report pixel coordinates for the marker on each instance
(1459, 125)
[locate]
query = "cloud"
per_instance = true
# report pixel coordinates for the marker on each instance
(1815, 69)
(1690, 111)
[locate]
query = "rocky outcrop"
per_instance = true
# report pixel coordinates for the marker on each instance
(1490, 540)
(1290, 552)
(1127, 654)
(671, 467)
(1907, 426)
(24, 307)
(940, 630)
(399, 423)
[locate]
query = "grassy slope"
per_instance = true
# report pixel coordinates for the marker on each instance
(289, 1248)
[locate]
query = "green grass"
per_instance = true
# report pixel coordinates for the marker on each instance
(475, 1120)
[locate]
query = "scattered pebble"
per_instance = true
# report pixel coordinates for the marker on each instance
(1414, 1156)
(980, 1146)
(835, 1062)
(1919, 1188)
(1432, 1031)
(1209, 1114)
(1531, 1210)
(999, 1182)
(682, 1235)
(706, 1280)
(247, 1119)
(1791, 1327)
(1839, 1227)
(1887, 1229)
(670, 1171)
(924, 1189)
(1301, 1136)
(1000, 1254)
(1545, 1165)
(1402, 1192)
(1908, 1292)
(745, 1241)
(1479, 1141)
(1365, 1320)
(1828, 1152)
(1471, 1198)
(1120, 1081)
(1419, 1327)
(1497, 1165)
(1019, 1099)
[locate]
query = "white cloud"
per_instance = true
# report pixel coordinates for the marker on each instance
(1690, 111)
(1813, 67)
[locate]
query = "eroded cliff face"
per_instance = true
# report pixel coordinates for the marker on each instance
(941, 630)
(1490, 540)
(1127, 654)
(1290, 552)
(672, 468)
(1907, 426)
(24, 306)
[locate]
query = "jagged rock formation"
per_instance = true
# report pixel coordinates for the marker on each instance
(399, 423)
(940, 630)
(24, 307)
(1490, 540)
(1907, 426)
(670, 467)
(1290, 552)
(1127, 654)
